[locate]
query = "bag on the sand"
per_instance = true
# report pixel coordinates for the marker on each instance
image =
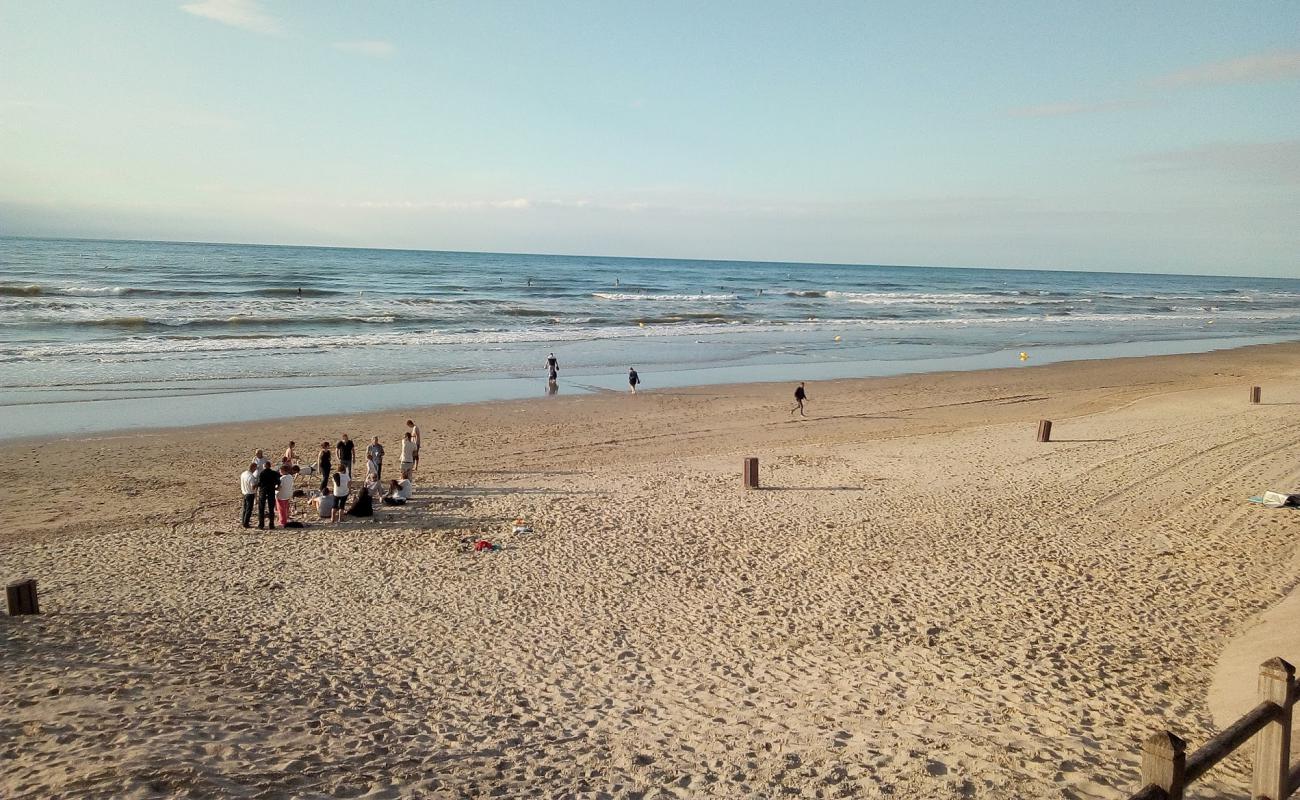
(293, 523)
(1277, 499)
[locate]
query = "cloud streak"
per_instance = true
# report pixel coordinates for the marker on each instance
(372, 48)
(1258, 68)
(245, 14)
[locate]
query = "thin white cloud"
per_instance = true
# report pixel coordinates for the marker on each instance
(374, 48)
(1070, 109)
(1269, 162)
(246, 14)
(1257, 68)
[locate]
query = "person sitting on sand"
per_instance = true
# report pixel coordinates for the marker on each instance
(324, 504)
(398, 493)
(372, 471)
(284, 495)
(290, 457)
(363, 506)
(799, 397)
(339, 484)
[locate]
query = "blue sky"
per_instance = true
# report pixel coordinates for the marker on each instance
(1159, 137)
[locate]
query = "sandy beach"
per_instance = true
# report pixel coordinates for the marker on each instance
(921, 601)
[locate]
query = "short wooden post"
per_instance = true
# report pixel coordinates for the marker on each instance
(1255, 394)
(1044, 430)
(1164, 762)
(22, 597)
(1273, 743)
(751, 473)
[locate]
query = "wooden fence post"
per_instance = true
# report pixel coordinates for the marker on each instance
(1273, 743)
(751, 473)
(21, 596)
(1164, 762)
(1255, 394)
(1044, 430)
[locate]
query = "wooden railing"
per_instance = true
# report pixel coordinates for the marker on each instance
(1167, 770)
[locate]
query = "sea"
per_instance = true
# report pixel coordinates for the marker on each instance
(98, 336)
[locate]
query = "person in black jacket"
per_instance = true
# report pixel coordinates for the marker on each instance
(268, 482)
(346, 447)
(324, 466)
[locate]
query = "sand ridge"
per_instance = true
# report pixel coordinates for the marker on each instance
(922, 602)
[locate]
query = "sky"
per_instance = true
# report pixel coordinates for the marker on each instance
(1151, 137)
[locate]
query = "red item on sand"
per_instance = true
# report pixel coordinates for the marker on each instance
(481, 545)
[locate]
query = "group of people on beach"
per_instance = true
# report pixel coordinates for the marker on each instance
(553, 375)
(272, 488)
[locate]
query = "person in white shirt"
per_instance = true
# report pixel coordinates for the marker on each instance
(260, 459)
(284, 495)
(339, 481)
(414, 431)
(398, 493)
(410, 451)
(372, 471)
(248, 485)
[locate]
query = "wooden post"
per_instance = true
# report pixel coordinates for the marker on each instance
(22, 597)
(751, 473)
(1273, 743)
(1255, 394)
(1044, 430)
(1164, 761)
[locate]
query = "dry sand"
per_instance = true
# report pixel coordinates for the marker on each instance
(923, 601)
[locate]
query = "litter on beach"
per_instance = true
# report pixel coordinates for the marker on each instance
(1277, 499)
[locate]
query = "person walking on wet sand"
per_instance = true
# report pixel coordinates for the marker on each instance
(799, 397)
(632, 379)
(552, 368)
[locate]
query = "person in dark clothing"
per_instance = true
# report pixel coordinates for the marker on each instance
(324, 466)
(552, 368)
(633, 379)
(799, 397)
(363, 506)
(346, 447)
(268, 483)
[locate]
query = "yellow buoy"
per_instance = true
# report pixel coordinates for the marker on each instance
(837, 338)
(1024, 356)
(641, 324)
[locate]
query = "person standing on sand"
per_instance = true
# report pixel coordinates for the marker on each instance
(552, 368)
(339, 482)
(260, 459)
(408, 455)
(248, 485)
(414, 431)
(346, 449)
(799, 397)
(632, 378)
(375, 452)
(284, 495)
(268, 483)
(324, 465)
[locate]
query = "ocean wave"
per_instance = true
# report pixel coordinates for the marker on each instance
(954, 299)
(665, 298)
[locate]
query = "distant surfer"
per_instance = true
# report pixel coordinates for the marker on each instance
(552, 368)
(799, 397)
(632, 379)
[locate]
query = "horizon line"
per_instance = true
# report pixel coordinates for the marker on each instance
(634, 258)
